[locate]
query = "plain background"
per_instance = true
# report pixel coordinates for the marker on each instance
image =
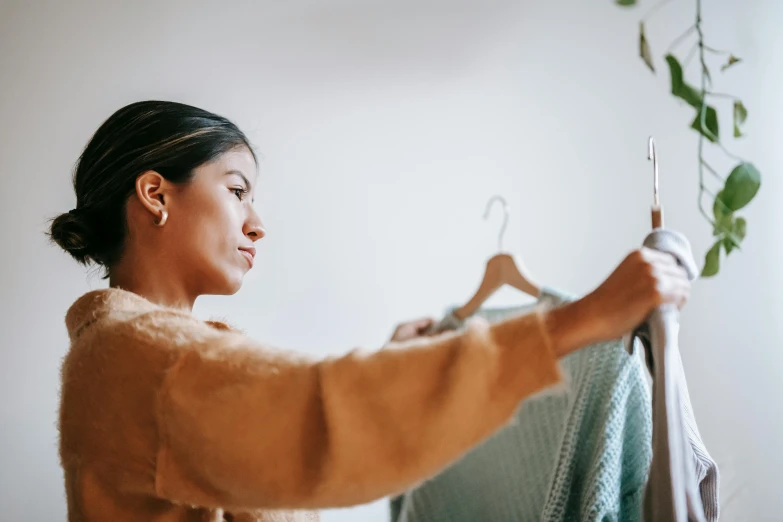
(383, 129)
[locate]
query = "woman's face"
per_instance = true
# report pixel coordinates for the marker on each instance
(212, 226)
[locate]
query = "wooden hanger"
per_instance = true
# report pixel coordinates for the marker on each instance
(501, 270)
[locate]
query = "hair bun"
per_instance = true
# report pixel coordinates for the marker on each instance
(72, 234)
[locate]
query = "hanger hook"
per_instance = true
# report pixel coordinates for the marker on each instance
(503, 202)
(652, 154)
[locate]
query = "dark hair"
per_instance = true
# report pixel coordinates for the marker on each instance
(167, 137)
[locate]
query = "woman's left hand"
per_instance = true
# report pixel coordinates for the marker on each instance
(411, 330)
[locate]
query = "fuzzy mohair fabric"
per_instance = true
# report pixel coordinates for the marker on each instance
(165, 417)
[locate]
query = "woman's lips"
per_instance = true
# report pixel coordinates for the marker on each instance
(249, 254)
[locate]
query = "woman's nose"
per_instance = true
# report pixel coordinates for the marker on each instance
(254, 227)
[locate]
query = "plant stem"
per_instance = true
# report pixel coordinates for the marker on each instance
(712, 171)
(728, 153)
(706, 216)
(690, 56)
(702, 110)
(703, 117)
(681, 38)
(721, 95)
(701, 47)
(708, 191)
(715, 51)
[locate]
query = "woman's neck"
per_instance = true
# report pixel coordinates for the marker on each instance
(152, 280)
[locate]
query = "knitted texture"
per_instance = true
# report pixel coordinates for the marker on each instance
(579, 455)
(684, 479)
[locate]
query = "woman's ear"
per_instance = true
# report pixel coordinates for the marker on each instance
(152, 189)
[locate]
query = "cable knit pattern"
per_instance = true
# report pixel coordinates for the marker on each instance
(581, 455)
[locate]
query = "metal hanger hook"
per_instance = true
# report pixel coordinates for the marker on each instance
(503, 227)
(652, 154)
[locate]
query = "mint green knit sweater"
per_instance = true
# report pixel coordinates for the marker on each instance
(580, 454)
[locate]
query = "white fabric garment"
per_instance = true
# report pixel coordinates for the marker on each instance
(683, 481)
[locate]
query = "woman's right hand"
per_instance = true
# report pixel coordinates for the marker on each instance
(644, 280)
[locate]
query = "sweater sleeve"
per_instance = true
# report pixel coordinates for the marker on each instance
(245, 426)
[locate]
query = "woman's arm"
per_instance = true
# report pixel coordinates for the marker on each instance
(245, 426)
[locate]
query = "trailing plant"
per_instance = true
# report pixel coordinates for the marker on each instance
(719, 206)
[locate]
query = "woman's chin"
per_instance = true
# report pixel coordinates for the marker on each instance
(228, 284)
(233, 286)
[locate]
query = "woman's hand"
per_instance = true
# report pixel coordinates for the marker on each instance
(644, 280)
(411, 330)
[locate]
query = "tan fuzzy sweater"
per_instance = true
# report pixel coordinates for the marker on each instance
(165, 417)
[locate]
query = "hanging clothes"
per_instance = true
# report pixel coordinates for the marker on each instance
(580, 454)
(683, 484)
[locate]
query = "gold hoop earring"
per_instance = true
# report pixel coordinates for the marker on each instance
(164, 216)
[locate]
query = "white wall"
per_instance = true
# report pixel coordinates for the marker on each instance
(383, 131)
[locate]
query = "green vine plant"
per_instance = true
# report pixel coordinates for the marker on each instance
(744, 180)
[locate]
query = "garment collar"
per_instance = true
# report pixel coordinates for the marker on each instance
(96, 304)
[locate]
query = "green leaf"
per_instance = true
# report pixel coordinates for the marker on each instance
(712, 260)
(740, 115)
(719, 207)
(644, 48)
(732, 240)
(710, 130)
(625, 3)
(731, 231)
(741, 186)
(729, 244)
(681, 89)
(732, 61)
(724, 217)
(740, 228)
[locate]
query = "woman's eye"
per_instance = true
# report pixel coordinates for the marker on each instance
(240, 193)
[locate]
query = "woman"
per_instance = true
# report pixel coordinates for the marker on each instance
(165, 417)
